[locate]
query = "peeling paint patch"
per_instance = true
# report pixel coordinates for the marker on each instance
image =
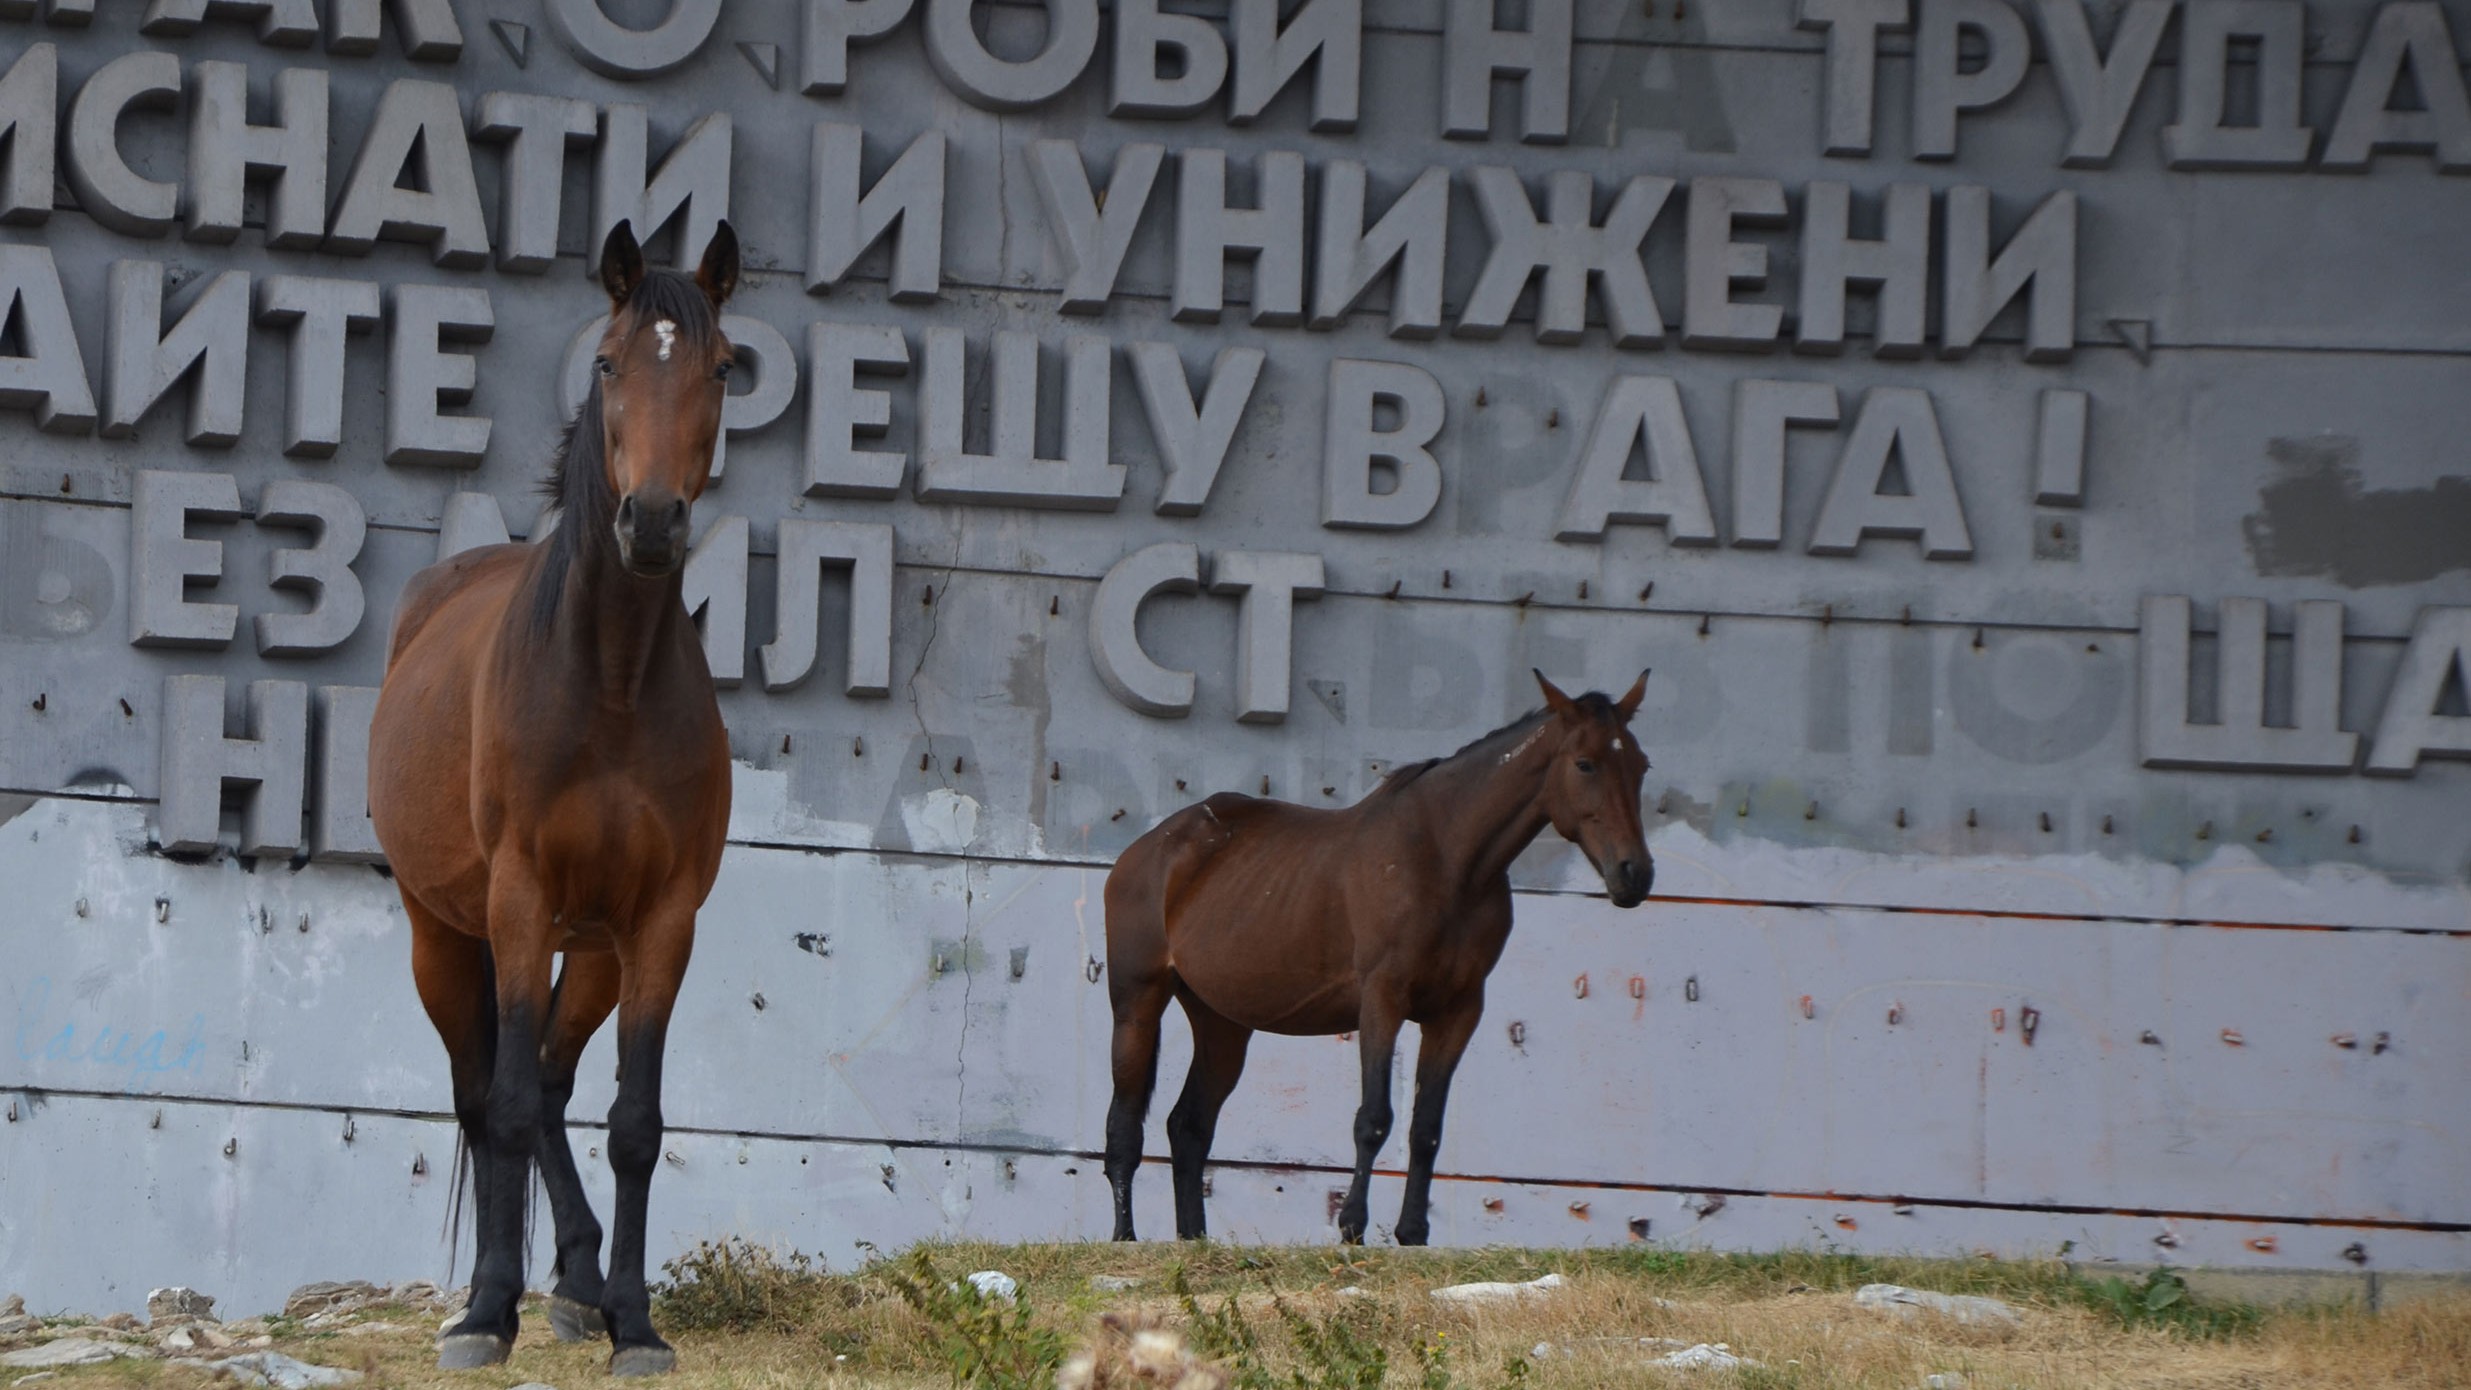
(2316, 519)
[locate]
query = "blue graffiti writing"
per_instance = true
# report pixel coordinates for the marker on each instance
(42, 1038)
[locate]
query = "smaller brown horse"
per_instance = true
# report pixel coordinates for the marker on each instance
(548, 773)
(1260, 915)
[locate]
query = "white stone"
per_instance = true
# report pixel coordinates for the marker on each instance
(69, 1351)
(1943, 1380)
(1911, 1303)
(1114, 1283)
(1705, 1356)
(995, 1285)
(282, 1372)
(1497, 1292)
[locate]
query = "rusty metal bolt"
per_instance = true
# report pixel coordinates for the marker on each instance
(2028, 1019)
(1518, 1034)
(1492, 1204)
(2263, 1245)
(2232, 1036)
(1579, 1210)
(1638, 987)
(1578, 987)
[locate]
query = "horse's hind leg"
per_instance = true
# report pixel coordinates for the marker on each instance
(1138, 987)
(452, 972)
(587, 990)
(1218, 1060)
(654, 961)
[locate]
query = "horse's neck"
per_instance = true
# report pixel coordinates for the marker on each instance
(611, 626)
(1486, 804)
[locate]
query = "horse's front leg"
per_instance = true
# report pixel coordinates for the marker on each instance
(1437, 1058)
(1377, 1042)
(587, 991)
(653, 959)
(524, 955)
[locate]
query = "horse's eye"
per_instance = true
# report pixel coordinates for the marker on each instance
(721, 372)
(603, 366)
(1585, 765)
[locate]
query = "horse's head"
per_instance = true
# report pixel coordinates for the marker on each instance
(663, 368)
(1591, 791)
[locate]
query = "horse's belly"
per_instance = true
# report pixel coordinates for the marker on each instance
(1274, 960)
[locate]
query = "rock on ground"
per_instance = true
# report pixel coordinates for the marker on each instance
(1497, 1292)
(281, 1372)
(1909, 1303)
(330, 1296)
(1706, 1356)
(18, 1324)
(69, 1351)
(13, 1305)
(178, 1304)
(1114, 1283)
(995, 1285)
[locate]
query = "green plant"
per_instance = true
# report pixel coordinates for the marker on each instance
(1337, 1356)
(982, 1341)
(736, 1285)
(2162, 1300)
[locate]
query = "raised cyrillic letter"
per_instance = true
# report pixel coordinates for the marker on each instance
(1207, 231)
(1352, 439)
(1143, 34)
(2042, 254)
(1472, 51)
(806, 548)
(420, 378)
(197, 760)
(842, 222)
(1897, 265)
(537, 132)
(428, 117)
(321, 313)
(715, 592)
(1271, 582)
(1898, 421)
(1268, 57)
(1639, 410)
(2411, 727)
(212, 337)
(2200, 140)
(51, 373)
(1762, 410)
(1714, 263)
(430, 34)
(2100, 89)
(110, 191)
(693, 176)
(163, 559)
(2412, 33)
(1169, 567)
(1570, 249)
(1010, 473)
(1092, 231)
(323, 570)
(999, 84)
(1941, 85)
(1412, 236)
(1853, 28)
(30, 123)
(615, 50)
(838, 408)
(1193, 440)
(831, 27)
(2239, 738)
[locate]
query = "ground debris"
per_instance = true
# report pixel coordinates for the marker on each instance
(281, 1372)
(1495, 1291)
(70, 1351)
(1703, 1356)
(1909, 1303)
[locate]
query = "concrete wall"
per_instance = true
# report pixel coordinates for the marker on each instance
(1966, 778)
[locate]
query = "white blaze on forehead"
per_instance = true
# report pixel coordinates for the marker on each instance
(1617, 745)
(667, 331)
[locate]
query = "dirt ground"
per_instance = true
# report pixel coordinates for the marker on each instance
(744, 1319)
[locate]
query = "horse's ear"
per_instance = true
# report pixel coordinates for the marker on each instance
(1629, 704)
(1554, 699)
(621, 264)
(718, 275)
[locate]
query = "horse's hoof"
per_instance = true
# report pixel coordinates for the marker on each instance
(465, 1351)
(575, 1321)
(642, 1361)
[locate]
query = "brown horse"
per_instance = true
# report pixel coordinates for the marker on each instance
(548, 773)
(1260, 915)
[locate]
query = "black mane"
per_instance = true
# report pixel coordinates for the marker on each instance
(1593, 702)
(577, 483)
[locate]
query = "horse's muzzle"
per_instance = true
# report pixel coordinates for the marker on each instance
(1629, 881)
(651, 534)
